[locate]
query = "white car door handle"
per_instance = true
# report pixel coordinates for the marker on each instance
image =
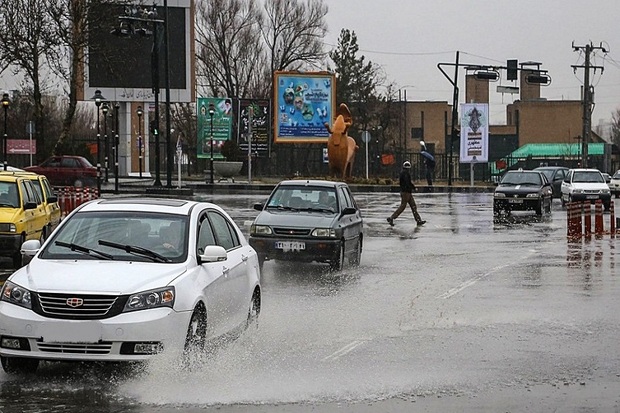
(244, 258)
(225, 271)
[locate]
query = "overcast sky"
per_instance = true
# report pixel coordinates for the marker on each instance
(409, 38)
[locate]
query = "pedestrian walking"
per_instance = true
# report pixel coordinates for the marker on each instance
(406, 196)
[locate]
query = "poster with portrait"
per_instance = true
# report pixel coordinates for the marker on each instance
(303, 103)
(215, 117)
(259, 129)
(474, 132)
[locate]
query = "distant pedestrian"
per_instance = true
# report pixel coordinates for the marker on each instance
(429, 161)
(406, 196)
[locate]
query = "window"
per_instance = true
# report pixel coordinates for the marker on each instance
(205, 236)
(225, 235)
(69, 163)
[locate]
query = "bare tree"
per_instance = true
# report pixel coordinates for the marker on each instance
(229, 51)
(26, 43)
(293, 32)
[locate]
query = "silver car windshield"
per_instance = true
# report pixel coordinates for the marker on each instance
(135, 236)
(304, 198)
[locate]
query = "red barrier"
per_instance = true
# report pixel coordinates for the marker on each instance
(586, 211)
(70, 198)
(612, 217)
(598, 218)
(573, 226)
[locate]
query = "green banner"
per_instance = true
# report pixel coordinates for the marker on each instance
(214, 126)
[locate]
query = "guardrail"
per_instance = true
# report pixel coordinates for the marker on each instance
(579, 220)
(70, 197)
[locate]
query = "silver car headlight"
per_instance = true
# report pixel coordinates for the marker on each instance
(500, 195)
(163, 297)
(324, 233)
(14, 294)
(260, 230)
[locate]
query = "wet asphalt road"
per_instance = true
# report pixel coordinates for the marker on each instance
(462, 314)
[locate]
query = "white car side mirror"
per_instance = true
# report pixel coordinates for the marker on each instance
(213, 253)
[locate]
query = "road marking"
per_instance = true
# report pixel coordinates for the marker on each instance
(345, 350)
(469, 283)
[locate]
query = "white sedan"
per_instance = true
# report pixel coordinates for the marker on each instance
(125, 279)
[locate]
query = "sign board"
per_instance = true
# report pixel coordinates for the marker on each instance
(21, 146)
(303, 103)
(261, 125)
(474, 132)
(217, 126)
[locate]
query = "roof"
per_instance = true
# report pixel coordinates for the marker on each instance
(556, 149)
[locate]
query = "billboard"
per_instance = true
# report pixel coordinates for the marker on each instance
(303, 102)
(121, 65)
(219, 126)
(261, 125)
(474, 132)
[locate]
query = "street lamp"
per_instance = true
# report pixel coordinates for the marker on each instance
(117, 125)
(105, 109)
(98, 98)
(139, 112)
(6, 102)
(211, 113)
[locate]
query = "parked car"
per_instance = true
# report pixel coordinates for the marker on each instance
(555, 175)
(606, 177)
(583, 184)
(22, 215)
(48, 197)
(614, 184)
(67, 170)
(309, 220)
(122, 280)
(522, 190)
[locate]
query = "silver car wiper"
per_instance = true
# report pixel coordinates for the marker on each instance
(85, 250)
(135, 250)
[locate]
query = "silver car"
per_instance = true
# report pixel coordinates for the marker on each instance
(309, 220)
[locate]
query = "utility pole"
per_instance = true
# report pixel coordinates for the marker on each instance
(588, 92)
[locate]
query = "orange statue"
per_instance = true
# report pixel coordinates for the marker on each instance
(340, 146)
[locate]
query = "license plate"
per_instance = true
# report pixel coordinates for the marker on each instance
(71, 332)
(592, 197)
(290, 245)
(515, 201)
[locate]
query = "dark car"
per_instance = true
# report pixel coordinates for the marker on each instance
(555, 175)
(309, 220)
(67, 170)
(523, 191)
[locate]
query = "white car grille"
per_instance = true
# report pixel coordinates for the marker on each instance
(75, 348)
(76, 306)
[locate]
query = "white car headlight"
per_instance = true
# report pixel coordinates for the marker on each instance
(260, 230)
(531, 196)
(500, 195)
(578, 191)
(605, 191)
(163, 297)
(324, 232)
(14, 294)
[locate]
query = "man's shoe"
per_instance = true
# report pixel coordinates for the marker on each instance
(390, 221)
(421, 223)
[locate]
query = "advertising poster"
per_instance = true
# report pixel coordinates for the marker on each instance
(261, 124)
(219, 125)
(303, 102)
(474, 132)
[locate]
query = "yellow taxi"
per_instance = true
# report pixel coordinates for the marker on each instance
(50, 200)
(22, 215)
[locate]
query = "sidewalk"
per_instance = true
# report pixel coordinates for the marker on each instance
(134, 185)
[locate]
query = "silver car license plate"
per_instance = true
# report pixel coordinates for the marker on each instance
(290, 245)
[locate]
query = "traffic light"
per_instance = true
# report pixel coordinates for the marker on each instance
(511, 69)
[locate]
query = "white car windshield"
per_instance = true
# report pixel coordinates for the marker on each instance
(125, 236)
(588, 177)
